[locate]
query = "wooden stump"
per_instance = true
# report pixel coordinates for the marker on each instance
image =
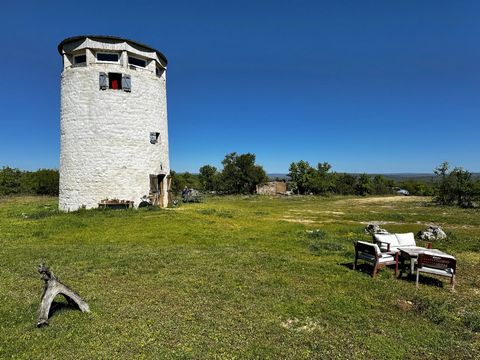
(52, 288)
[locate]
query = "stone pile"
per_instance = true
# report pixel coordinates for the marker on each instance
(432, 233)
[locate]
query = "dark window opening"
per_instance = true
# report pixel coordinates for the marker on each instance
(159, 72)
(79, 59)
(115, 81)
(154, 137)
(136, 61)
(107, 57)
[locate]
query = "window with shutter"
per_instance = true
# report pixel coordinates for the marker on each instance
(127, 83)
(103, 81)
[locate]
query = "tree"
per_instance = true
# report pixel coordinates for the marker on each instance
(180, 180)
(10, 181)
(44, 181)
(444, 192)
(364, 185)
(240, 174)
(463, 188)
(321, 181)
(345, 184)
(300, 174)
(455, 187)
(381, 185)
(209, 178)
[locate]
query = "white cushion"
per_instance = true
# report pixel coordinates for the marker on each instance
(407, 239)
(389, 239)
(444, 272)
(386, 258)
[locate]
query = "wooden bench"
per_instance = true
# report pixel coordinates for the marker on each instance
(437, 265)
(371, 253)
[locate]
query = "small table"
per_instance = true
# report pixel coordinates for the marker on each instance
(411, 253)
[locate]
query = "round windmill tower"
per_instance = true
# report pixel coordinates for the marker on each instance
(114, 134)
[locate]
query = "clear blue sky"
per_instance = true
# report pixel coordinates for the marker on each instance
(375, 86)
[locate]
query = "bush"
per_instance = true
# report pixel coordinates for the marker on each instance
(456, 187)
(40, 182)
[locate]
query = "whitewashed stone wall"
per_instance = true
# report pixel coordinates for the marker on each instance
(105, 136)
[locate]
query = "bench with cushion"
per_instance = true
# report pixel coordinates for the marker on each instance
(371, 253)
(443, 265)
(389, 243)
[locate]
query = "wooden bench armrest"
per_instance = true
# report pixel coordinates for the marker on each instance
(384, 242)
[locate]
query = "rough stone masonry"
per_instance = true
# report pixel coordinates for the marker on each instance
(114, 132)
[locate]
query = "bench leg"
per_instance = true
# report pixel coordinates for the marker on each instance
(355, 262)
(418, 276)
(396, 264)
(452, 282)
(375, 269)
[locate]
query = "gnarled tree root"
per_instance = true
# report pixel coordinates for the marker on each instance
(52, 288)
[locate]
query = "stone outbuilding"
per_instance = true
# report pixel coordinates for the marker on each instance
(272, 188)
(114, 131)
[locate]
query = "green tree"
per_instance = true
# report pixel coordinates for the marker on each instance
(345, 184)
(381, 185)
(456, 187)
(444, 186)
(321, 180)
(180, 180)
(11, 181)
(300, 174)
(43, 182)
(363, 185)
(240, 174)
(209, 178)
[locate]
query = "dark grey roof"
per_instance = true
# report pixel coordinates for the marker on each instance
(108, 37)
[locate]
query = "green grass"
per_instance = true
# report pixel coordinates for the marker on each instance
(234, 278)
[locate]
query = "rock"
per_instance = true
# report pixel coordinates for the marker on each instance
(432, 233)
(375, 229)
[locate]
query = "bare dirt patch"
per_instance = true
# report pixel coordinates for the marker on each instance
(385, 199)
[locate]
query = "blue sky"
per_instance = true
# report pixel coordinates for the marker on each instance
(374, 86)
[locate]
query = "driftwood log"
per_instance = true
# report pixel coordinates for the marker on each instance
(52, 288)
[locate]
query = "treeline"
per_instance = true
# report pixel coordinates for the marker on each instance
(17, 182)
(305, 179)
(240, 175)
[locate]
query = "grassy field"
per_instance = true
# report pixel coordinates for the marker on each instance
(234, 278)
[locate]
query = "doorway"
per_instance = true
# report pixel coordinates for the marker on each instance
(156, 189)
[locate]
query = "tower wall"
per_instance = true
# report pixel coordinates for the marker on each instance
(106, 149)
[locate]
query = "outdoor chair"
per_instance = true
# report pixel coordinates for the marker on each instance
(371, 253)
(437, 265)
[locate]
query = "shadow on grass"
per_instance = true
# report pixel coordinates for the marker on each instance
(363, 267)
(424, 280)
(61, 306)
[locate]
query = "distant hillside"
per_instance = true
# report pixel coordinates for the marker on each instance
(392, 176)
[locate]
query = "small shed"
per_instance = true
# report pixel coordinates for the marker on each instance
(272, 188)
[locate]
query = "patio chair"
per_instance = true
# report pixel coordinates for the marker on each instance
(371, 253)
(437, 265)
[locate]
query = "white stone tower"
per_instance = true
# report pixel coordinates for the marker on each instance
(114, 134)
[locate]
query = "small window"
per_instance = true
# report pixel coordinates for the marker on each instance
(159, 71)
(137, 61)
(79, 59)
(154, 137)
(115, 81)
(109, 57)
